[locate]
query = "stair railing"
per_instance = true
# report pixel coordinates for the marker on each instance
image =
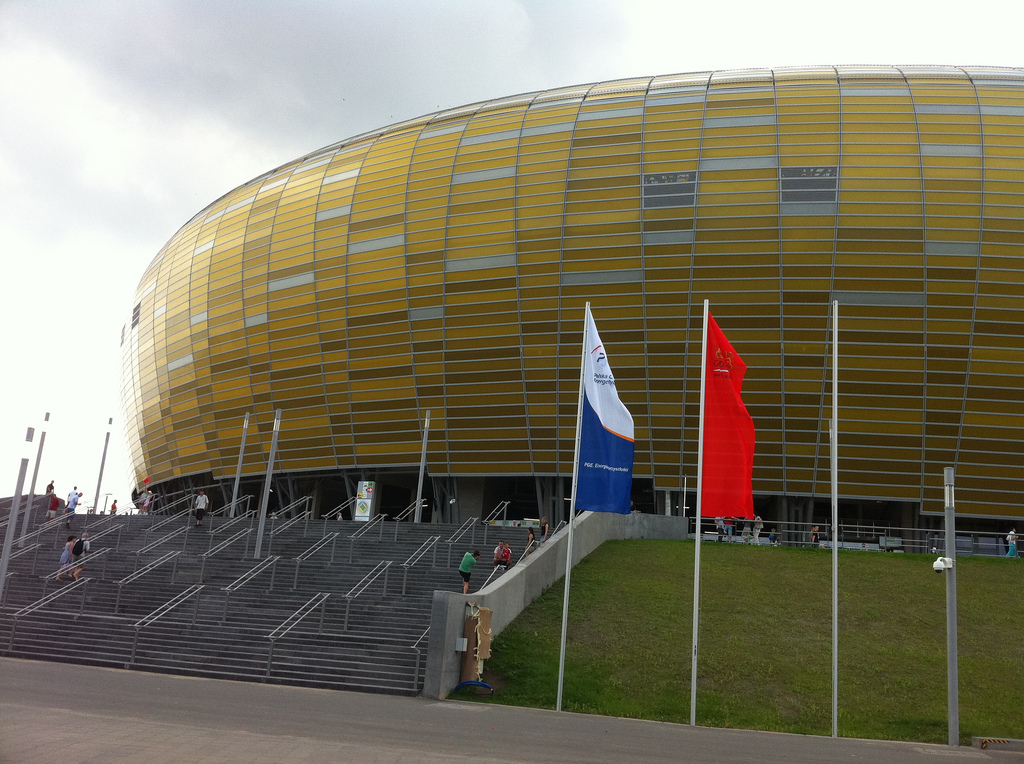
(336, 512)
(81, 562)
(404, 514)
(469, 525)
(231, 524)
(140, 573)
(415, 646)
(501, 509)
(318, 600)
(331, 539)
(275, 529)
(83, 583)
(162, 540)
(164, 609)
(377, 522)
(168, 520)
(249, 575)
(46, 527)
(429, 544)
(246, 534)
(380, 569)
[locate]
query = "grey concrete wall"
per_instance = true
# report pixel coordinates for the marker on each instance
(510, 593)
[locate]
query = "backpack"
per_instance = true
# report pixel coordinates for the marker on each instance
(78, 548)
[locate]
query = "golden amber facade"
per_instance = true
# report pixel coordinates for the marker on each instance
(442, 265)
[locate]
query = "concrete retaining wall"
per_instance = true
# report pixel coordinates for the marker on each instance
(510, 593)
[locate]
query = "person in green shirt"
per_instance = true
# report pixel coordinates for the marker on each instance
(468, 561)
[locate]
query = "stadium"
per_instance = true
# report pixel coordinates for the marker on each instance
(442, 264)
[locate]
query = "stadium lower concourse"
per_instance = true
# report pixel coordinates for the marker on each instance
(442, 265)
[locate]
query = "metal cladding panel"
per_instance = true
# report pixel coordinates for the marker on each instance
(442, 264)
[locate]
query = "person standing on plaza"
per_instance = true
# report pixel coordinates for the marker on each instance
(202, 502)
(758, 525)
(1011, 543)
(113, 507)
(545, 530)
(466, 568)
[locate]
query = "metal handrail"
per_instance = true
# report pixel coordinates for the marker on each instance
(331, 539)
(336, 512)
(46, 527)
(494, 572)
(140, 573)
(176, 516)
(163, 539)
(416, 647)
(106, 519)
(289, 507)
(275, 529)
(405, 513)
(221, 547)
(23, 551)
(318, 600)
(359, 588)
(502, 508)
(558, 528)
(378, 521)
(470, 524)
(526, 551)
(28, 609)
(232, 522)
(430, 543)
(460, 532)
(228, 509)
(249, 575)
(164, 609)
(79, 563)
(186, 498)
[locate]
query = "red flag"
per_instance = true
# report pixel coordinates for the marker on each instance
(727, 487)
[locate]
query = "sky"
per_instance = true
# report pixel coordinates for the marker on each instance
(121, 119)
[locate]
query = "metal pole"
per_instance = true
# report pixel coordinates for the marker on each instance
(834, 459)
(572, 512)
(12, 522)
(952, 667)
(32, 487)
(238, 470)
(700, 508)
(103, 463)
(423, 468)
(266, 485)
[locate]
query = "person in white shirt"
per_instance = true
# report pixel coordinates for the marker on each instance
(202, 502)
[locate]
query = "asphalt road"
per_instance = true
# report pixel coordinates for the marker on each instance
(53, 713)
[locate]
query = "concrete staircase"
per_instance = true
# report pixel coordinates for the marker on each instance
(372, 643)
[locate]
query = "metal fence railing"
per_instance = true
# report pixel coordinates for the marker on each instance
(380, 570)
(318, 600)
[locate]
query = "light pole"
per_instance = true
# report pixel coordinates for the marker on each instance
(12, 521)
(32, 489)
(952, 678)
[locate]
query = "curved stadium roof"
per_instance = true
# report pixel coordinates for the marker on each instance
(442, 264)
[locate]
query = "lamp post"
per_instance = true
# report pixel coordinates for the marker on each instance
(952, 679)
(35, 474)
(12, 520)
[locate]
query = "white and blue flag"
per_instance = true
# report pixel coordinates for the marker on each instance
(605, 471)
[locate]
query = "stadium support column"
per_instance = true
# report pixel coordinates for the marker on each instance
(103, 463)
(423, 468)
(238, 469)
(266, 485)
(952, 667)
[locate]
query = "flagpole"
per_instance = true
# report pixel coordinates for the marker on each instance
(572, 510)
(834, 458)
(700, 486)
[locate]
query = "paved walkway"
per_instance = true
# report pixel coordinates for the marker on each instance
(53, 713)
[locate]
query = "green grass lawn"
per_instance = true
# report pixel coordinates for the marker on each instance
(765, 644)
